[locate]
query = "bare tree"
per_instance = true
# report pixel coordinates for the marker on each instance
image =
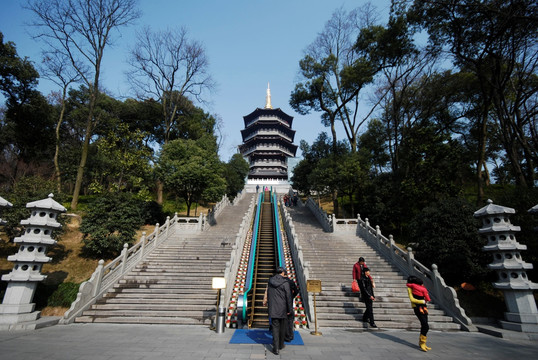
(323, 86)
(57, 68)
(171, 68)
(80, 30)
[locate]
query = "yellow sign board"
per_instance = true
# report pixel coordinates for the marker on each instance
(313, 286)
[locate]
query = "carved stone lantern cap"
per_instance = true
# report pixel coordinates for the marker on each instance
(492, 209)
(5, 203)
(47, 203)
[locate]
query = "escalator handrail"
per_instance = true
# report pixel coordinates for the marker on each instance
(252, 256)
(280, 258)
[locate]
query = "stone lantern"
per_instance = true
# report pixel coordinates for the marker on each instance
(522, 314)
(3, 204)
(17, 306)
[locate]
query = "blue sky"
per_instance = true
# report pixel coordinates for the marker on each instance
(249, 43)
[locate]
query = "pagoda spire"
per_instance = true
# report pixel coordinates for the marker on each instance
(268, 98)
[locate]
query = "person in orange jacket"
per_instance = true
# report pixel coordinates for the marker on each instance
(358, 271)
(418, 295)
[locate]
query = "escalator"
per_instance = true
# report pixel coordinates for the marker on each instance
(265, 257)
(264, 266)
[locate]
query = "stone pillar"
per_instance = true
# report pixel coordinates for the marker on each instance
(17, 306)
(3, 204)
(522, 314)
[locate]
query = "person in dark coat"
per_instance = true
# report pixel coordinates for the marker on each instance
(280, 305)
(367, 290)
(291, 317)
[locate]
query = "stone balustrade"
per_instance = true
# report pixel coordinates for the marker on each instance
(323, 218)
(302, 269)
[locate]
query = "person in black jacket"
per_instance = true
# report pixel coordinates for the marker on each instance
(367, 292)
(291, 317)
(280, 305)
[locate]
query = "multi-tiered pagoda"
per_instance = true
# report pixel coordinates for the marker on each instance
(267, 144)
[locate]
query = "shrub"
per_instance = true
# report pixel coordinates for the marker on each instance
(153, 213)
(112, 221)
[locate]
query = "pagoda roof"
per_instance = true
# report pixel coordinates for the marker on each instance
(268, 112)
(492, 209)
(5, 203)
(47, 203)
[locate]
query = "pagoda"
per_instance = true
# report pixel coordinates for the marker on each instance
(268, 144)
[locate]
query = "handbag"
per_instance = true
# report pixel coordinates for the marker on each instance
(355, 286)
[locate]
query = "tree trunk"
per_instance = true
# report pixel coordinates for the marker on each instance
(481, 159)
(57, 173)
(80, 171)
(160, 188)
(335, 202)
(85, 148)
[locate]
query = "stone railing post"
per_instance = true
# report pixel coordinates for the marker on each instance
(436, 281)
(410, 260)
(391, 244)
(167, 226)
(143, 245)
(124, 256)
(378, 236)
(98, 278)
(156, 238)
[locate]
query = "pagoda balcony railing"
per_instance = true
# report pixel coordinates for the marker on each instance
(259, 147)
(269, 163)
(268, 132)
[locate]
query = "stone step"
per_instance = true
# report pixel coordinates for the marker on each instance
(381, 316)
(181, 320)
(412, 326)
(164, 283)
(380, 309)
(152, 300)
(152, 313)
(201, 306)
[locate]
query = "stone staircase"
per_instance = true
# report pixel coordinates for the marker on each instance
(173, 284)
(331, 257)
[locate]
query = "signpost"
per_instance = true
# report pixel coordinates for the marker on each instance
(314, 286)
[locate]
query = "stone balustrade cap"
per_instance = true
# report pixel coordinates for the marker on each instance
(47, 203)
(5, 203)
(492, 209)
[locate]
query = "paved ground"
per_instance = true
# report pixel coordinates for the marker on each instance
(164, 342)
